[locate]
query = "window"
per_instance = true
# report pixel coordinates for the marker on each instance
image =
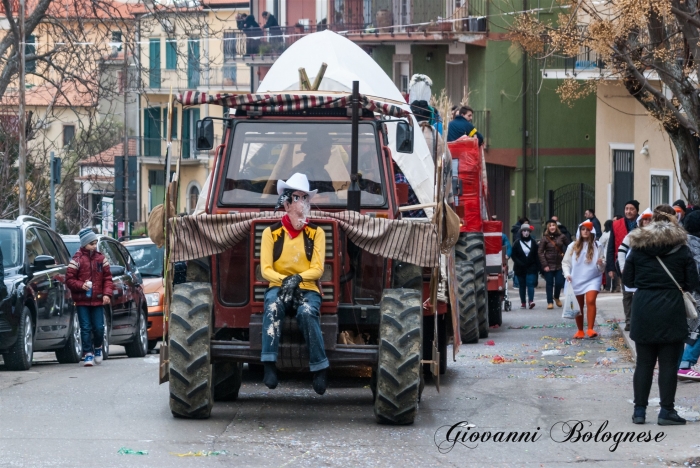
(30, 49)
(660, 189)
(111, 251)
(403, 63)
(68, 135)
(154, 64)
(192, 197)
(33, 245)
(171, 54)
(49, 245)
(116, 41)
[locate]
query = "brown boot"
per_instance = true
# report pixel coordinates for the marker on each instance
(550, 306)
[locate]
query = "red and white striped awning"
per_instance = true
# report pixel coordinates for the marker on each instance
(287, 102)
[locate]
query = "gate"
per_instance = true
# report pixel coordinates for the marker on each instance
(623, 179)
(569, 203)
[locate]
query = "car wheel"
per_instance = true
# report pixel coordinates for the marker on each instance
(107, 334)
(139, 347)
(72, 352)
(20, 356)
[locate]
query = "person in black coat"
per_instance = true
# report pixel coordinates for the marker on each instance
(659, 324)
(526, 264)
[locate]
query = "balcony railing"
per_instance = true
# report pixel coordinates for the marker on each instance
(481, 122)
(222, 77)
(156, 147)
(586, 60)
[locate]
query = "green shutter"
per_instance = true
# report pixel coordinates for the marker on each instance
(175, 122)
(186, 133)
(171, 54)
(30, 49)
(157, 195)
(154, 64)
(151, 131)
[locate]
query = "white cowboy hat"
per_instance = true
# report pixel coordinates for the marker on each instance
(298, 182)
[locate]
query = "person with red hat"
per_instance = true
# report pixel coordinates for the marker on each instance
(582, 265)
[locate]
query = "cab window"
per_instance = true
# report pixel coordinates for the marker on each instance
(33, 245)
(49, 245)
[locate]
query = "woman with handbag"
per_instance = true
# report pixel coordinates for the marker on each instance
(582, 266)
(526, 264)
(692, 350)
(659, 264)
(551, 252)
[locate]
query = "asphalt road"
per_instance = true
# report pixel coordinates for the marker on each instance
(70, 416)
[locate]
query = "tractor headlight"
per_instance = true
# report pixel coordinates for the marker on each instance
(153, 299)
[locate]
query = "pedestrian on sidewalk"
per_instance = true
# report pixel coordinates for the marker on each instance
(623, 251)
(90, 281)
(582, 266)
(620, 229)
(692, 352)
(561, 227)
(526, 264)
(608, 283)
(551, 253)
(681, 211)
(659, 324)
(590, 216)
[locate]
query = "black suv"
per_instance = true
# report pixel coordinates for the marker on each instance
(37, 312)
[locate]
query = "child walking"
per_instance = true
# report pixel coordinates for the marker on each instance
(90, 282)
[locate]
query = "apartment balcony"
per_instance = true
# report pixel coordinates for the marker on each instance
(228, 77)
(585, 65)
(153, 150)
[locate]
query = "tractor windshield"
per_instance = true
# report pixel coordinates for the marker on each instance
(265, 151)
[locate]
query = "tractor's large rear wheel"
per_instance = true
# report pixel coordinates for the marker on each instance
(190, 329)
(470, 247)
(398, 375)
(227, 380)
(468, 320)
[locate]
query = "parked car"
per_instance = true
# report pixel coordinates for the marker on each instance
(149, 260)
(72, 243)
(127, 316)
(37, 312)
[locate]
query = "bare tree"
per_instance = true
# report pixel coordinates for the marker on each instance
(641, 43)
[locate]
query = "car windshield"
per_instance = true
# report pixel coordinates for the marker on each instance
(10, 246)
(72, 246)
(148, 258)
(265, 152)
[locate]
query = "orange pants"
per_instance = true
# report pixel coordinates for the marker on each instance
(590, 298)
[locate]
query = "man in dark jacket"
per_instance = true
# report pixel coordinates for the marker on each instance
(682, 210)
(90, 281)
(659, 324)
(460, 126)
(590, 216)
(526, 264)
(561, 227)
(620, 229)
(272, 26)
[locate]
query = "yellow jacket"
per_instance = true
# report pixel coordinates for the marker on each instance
(293, 259)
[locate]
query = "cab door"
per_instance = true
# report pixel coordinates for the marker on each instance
(44, 292)
(61, 313)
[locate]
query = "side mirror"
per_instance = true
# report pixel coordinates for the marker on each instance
(117, 270)
(43, 262)
(404, 137)
(205, 134)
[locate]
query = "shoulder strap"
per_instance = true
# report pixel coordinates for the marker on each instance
(554, 244)
(669, 274)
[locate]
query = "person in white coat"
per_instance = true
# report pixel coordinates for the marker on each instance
(582, 265)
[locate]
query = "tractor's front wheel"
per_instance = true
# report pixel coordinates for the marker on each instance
(468, 318)
(398, 375)
(191, 373)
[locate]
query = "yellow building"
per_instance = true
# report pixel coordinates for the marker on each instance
(185, 51)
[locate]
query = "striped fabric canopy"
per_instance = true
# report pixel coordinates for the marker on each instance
(287, 102)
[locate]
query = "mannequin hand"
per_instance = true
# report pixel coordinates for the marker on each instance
(289, 285)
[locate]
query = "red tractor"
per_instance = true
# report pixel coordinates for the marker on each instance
(388, 305)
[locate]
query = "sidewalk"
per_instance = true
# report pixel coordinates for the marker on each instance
(610, 308)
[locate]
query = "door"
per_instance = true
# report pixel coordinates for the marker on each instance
(623, 179)
(456, 77)
(68, 303)
(60, 315)
(120, 300)
(41, 285)
(129, 281)
(193, 68)
(151, 131)
(154, 64)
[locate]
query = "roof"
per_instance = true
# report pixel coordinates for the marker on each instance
(106, 157)
(140, 241)
(72, 94)
(79, 9)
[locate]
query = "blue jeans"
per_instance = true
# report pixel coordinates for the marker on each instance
(555, 283)
(309, 320)
(690, 355)
(92, 327)
(527, 281)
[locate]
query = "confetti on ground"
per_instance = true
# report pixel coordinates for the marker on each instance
(500, 360)
(580, 360)
(202, 453)
(128, 451)
(490, 343)
(581, 353)
(611, 348)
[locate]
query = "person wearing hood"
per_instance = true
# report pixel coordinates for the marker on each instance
(620, 229)
(515, 229)
(659, 259)
(551, 253)
(582, 266)
(681, 211)
(526, 264)
(692, 353)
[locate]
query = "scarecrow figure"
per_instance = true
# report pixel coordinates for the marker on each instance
(291, 259)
